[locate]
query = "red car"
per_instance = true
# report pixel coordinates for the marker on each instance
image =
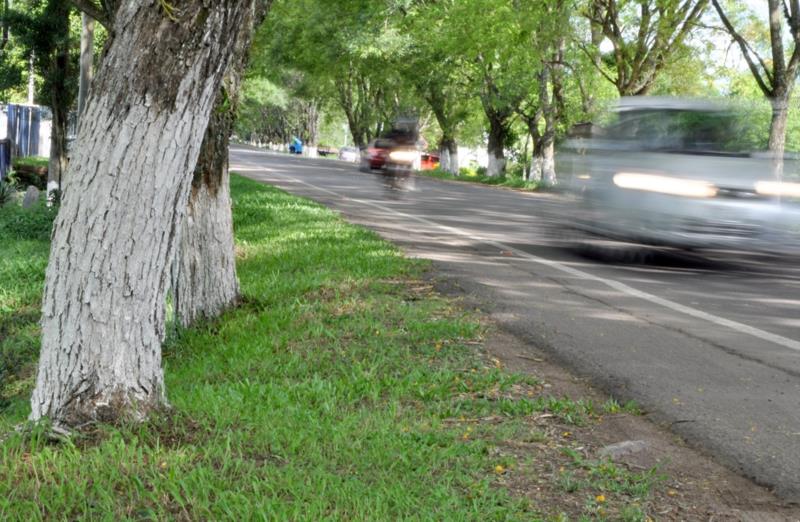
(388, 154)
(376, 154)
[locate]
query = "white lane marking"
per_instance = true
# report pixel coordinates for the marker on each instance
(616, 285)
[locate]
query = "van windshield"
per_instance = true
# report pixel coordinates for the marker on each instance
(686, 131)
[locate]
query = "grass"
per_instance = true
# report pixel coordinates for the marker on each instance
(32, 161)
(342, 389)
(511, 180)
(24, 236)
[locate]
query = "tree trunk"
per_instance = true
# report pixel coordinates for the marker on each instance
(498, 133)
(448, 155)
(125, 196)
(444, 158)
(312, 130)
(537, 158)
(204, 275)
(31, 79)
(86, 60)
(777, 126)
(58, 162)
(548, 163)
(204, 282)
(59, 102)
(455, 164)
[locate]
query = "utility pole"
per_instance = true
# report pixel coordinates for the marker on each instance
(31, 82)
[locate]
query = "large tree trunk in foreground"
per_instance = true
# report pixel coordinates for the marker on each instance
(124, 198)
(204, 277)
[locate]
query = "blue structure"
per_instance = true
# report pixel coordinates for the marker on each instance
(23, 129)
(5, 158)
(22, 134)
(296, 147)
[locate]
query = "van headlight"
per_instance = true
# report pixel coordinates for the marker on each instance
(778, 188)
(404, 156)
(688, 188)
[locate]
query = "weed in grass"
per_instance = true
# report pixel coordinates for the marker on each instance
(606, 476)
(612, 406)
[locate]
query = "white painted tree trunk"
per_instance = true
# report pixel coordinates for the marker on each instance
(444, 159)
(497, 165)
(204, 273)
(549, 164)
(537, 164)
(125, 196)
(205, 282)
(454, 167)
(448, 156)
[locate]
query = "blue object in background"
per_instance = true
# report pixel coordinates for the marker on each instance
(5, 158)
(296, 147)
(23, 129)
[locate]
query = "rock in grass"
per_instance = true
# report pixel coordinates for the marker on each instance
(620, 449)
(31, 197)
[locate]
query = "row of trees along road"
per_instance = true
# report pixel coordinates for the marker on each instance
(507, 73)
(146, 207)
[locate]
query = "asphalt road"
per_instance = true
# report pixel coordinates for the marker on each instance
(708, 345)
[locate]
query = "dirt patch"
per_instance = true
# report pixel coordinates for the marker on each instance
(687, 484)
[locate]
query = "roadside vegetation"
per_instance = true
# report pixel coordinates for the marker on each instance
(343, 388)
(513, 178)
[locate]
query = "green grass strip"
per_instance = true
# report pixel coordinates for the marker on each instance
(343, 388)
(321, 398)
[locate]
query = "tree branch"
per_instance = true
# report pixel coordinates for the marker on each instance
(94, 11)
(746, 51)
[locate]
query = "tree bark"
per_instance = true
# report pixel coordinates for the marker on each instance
(125, 196)
(498, 134)
(204, 282)
(777, 125)
(204, 275)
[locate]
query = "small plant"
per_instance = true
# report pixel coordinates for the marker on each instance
(7, 193)
(613, 407)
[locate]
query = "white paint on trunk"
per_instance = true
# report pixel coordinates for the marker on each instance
(496, 165)
(444, 159)
(454, 167)
(537, 163)
(205, 270)
(549, 164)
(124, 197)
(311, 151)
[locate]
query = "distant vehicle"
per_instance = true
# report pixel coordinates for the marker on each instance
(428, 161)
(296, 147)
(677, 173)
(390, 155)
(349, 154)
(325, 151)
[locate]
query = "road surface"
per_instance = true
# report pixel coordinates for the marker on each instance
(708, 345)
